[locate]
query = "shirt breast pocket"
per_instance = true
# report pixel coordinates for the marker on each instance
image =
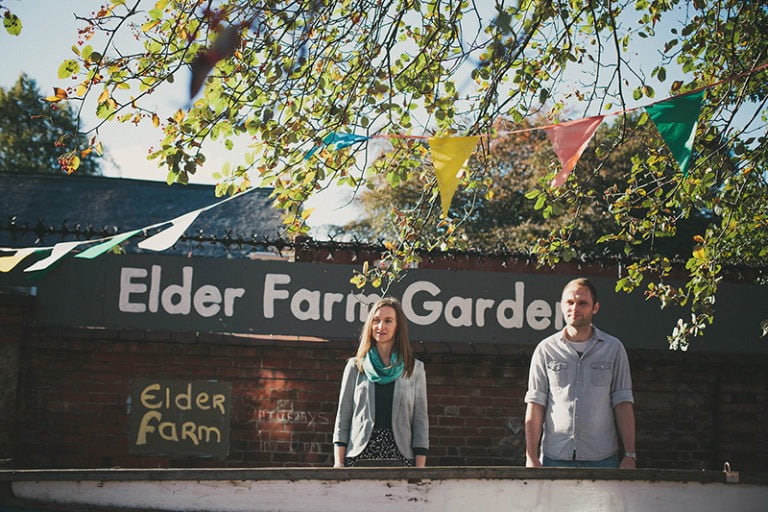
(558, 373)
(602, 371)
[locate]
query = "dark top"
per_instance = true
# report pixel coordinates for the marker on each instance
(385, 393)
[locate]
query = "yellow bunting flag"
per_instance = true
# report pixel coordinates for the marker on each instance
(449, 154)
(8, 263)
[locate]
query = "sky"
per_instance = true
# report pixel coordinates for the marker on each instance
(46, 40)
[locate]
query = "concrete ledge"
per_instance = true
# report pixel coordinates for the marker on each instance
(430, 473)
(436, 489)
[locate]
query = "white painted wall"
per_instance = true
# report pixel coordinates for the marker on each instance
(445, 495)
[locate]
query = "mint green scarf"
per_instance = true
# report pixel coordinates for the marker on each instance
(376, 371)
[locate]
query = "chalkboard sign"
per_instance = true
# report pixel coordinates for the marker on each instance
(180, 418)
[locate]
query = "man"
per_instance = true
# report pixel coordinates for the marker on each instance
(579, 391)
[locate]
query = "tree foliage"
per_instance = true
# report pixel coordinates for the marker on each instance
(38, 137)
(496, 215)
(285, 73)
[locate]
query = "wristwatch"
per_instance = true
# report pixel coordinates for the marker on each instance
(631, 454)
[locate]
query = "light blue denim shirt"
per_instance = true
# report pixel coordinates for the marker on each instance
(578, 394)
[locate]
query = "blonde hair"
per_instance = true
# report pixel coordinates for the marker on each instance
(583, 282)
(402, 342)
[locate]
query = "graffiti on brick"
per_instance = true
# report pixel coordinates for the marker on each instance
(293, 444)
(304, 418)
(180, 418)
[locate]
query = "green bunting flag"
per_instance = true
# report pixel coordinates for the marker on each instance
(676, 120)
(98, 250)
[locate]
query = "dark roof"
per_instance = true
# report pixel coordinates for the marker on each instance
(42, 210)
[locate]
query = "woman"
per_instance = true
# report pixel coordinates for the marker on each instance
(382, 414)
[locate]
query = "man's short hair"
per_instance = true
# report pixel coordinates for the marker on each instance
(583, 282)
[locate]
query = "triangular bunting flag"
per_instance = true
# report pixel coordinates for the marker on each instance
(339, 140)
(569, 140)
(166, 238)
(676, 120)
(98, 250)
(8, 263)
(59, 251)
(449, 154)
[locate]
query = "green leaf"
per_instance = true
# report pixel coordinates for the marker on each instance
(12, 23)
(531, 194)
(68, 68)
(648, 91)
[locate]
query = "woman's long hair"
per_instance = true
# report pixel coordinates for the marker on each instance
(402, 342)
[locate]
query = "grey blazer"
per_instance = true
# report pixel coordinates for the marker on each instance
(356, 415)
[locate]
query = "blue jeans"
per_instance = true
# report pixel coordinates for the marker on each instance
(610, 462)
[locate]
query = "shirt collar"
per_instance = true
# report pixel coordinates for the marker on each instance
(597, 335)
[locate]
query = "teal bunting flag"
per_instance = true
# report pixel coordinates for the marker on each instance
(98, 250)
(676, 120)
(339, 140)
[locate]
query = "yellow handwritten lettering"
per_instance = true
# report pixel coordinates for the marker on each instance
(203, 431)
(202, 401)
(167, 431)
(186, 398)
(145, 428)
(147, 397)
(218, 402)
(188, 432)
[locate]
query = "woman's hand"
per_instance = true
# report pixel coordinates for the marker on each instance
(339, 452)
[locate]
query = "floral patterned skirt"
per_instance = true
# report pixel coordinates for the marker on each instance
(381, 450)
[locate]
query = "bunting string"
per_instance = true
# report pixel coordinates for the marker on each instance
(160, 241)
(675, 117)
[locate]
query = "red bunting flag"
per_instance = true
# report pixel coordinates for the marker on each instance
(569, 140)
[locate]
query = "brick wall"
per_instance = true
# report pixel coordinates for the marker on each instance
(694, 411)
(14, 317)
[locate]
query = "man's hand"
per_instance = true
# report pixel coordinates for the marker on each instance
(628, 463)
(534, 419)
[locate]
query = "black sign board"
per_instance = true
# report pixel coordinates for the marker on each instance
(311, 299)
(180, 418)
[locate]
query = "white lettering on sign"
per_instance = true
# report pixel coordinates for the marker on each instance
(175, 299)
(313, 304)
(470, 312)
(433, 307)
(128, 288)
(424, 303)
(271, 293)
